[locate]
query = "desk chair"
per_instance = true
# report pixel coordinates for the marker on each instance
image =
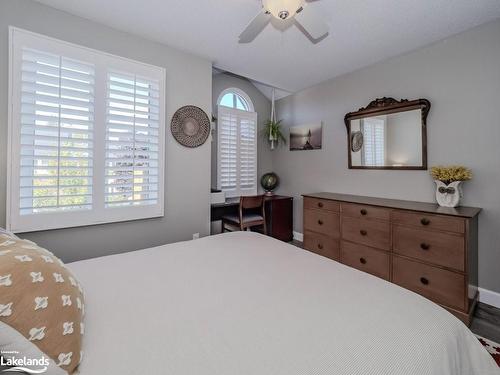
(245, 219)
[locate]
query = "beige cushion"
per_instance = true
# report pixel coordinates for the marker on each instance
(42, 300)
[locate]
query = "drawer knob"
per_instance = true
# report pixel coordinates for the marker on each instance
(424, 281)
(320, 246)
(425, 246)
(425, 221)
(320, 204)
(362, 260)
(320, 222)
(363, 232)
(363, 212)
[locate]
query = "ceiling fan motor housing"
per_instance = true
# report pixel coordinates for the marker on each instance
(284, 14)
(282, 9)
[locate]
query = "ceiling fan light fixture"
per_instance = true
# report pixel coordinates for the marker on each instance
(282, 9)
(283, 14)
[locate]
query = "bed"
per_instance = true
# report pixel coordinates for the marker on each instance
(245, 304)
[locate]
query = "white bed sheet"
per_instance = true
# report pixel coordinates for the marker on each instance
(245, 304)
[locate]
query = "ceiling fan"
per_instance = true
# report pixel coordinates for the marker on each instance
(304, 16)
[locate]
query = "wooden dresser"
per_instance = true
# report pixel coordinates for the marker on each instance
(428, 249)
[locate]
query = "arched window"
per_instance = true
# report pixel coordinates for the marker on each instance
(236, 99)
(237, 144)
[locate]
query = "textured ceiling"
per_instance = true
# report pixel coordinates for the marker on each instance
(362, 32)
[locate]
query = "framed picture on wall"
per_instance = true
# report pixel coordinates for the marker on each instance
(306, 137)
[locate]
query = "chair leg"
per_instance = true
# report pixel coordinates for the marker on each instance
(265, 228)
(222, 226)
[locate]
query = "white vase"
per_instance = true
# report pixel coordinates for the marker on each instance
(449, 195)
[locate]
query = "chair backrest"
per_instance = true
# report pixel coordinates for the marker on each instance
(252, 203)
(256, 201)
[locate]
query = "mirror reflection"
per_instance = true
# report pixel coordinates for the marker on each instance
(387, 140)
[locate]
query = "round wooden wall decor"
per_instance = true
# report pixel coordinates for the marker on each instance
(357, 140)
(190, 126)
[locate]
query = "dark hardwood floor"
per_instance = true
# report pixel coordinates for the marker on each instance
(486, 320)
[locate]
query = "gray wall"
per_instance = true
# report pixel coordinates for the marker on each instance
(262, 106)
(461, 78)
(187, 179)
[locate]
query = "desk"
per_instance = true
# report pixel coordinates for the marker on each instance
(279, 214)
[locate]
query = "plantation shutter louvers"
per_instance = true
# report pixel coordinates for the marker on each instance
(248, 157)
(132, 140)
(228, 147)
(374, 141)
(237, 154)
(56, 128)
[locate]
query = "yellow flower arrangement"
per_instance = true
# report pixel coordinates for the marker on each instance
(451, 174)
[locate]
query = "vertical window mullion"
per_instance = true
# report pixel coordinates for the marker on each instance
(238, 152)
(59, 135)
(99, 150)
(134, 140)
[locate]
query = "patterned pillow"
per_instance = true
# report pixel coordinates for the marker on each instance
(42, 303)
(8, 233)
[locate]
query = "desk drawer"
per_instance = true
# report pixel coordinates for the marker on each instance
(365, 212)
(324, 222)
(367, 232)
(435, 222)
(439, 285)
(447, 250)
(321, 204)
(322, 245)
(365, 259)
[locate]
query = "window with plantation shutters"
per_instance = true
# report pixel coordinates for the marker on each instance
(57, 121)
(237, 146)
(86, 136)
(132, 128)
(374, 151)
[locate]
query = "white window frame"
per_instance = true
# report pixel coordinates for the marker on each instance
(19, 38)
(240, 114)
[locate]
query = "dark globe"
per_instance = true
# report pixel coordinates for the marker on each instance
(269, 182)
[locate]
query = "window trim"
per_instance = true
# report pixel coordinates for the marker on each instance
(237, 91)
(98, 215)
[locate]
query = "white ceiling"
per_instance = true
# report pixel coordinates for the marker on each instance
(362, 32)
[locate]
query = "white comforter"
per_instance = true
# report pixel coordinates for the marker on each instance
(245, 304)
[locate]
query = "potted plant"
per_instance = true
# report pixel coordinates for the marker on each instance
(272, 133)
(449, 183)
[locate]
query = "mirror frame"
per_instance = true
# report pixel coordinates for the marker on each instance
(384, 106)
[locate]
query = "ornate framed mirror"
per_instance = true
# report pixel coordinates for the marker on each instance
(388, 134)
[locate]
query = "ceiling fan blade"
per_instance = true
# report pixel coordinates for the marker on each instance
(312, 22)
(255, 27)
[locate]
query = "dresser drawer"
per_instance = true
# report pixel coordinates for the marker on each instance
(446, 250)
(322, 245)
(436, 222)
(321, 204)
(366, 212)
(439, 285)
(367, 232)
(365, 259)
(320, 221)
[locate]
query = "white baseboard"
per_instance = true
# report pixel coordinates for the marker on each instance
(489, 297)
(298, 236)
